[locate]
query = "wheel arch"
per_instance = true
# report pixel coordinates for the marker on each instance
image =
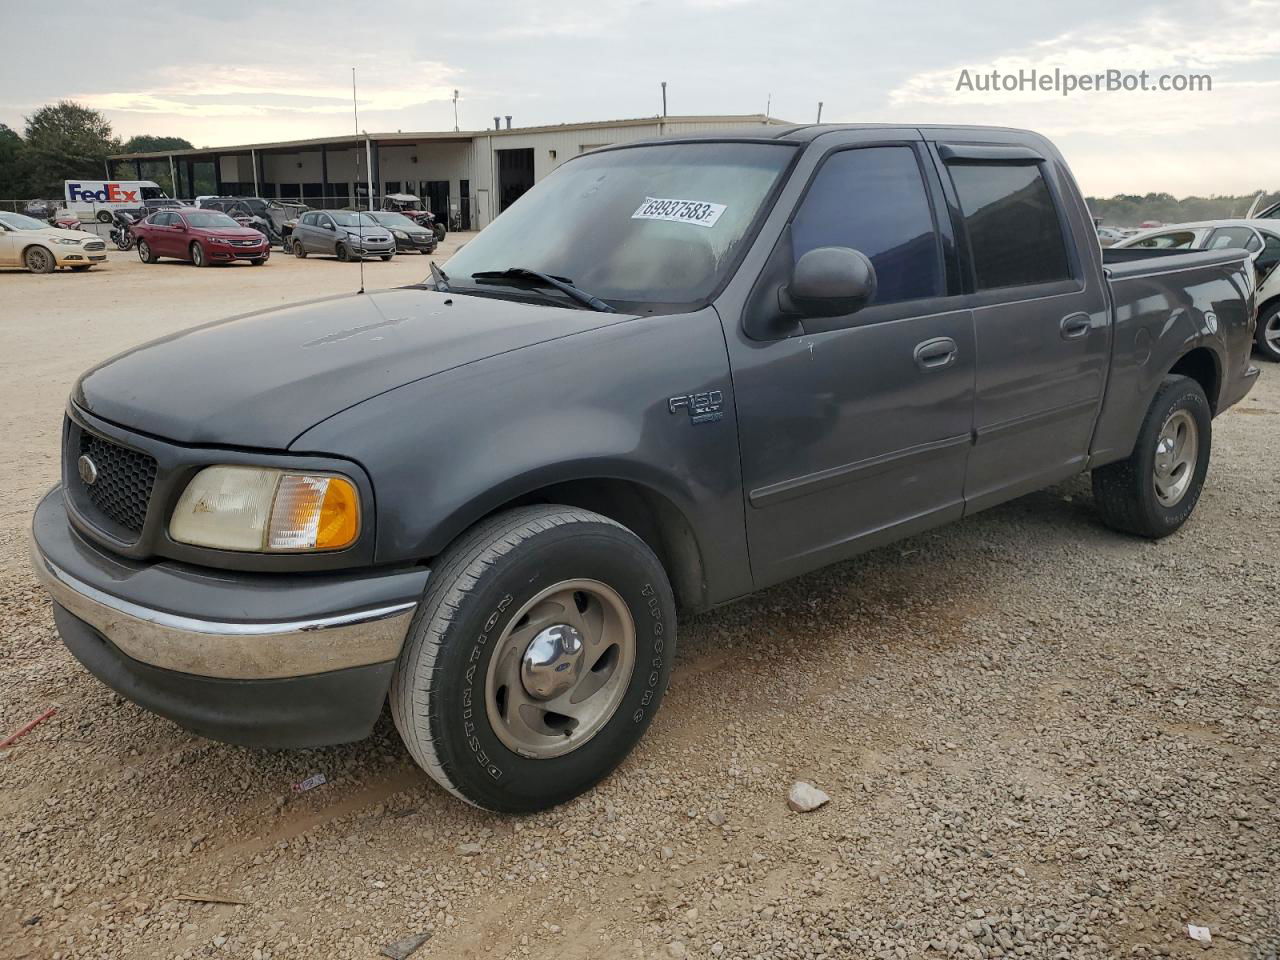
(1204, 366)
(640, 506)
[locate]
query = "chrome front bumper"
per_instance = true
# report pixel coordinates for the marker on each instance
(218, 623)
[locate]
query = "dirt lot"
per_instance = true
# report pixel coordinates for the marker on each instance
(1040, 739)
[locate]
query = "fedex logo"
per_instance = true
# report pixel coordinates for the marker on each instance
(108, 193)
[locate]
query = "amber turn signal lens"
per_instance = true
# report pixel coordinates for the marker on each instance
(314, 512)
(339, 515)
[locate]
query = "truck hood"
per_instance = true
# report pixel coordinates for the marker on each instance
(262, 379)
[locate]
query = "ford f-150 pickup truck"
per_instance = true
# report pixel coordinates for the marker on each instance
(671, 374)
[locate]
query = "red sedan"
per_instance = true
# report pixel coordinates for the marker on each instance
(201, 236)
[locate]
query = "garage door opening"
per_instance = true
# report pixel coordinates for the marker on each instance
(515, 175)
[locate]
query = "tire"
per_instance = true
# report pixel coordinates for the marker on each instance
(39, 260)
(340, 251)
(145, 253)
(104, 216)
(1267, 337)
(385, 257)
(447, 692)
(299, 250)
(82, 268)
(440, 231)
(1131, 495)
(198, 256)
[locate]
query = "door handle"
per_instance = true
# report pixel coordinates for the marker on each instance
(936, 354)
(1075, 325)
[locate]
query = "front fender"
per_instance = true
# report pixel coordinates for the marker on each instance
(445, 451)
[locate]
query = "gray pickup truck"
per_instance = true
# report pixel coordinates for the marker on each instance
(673, 373)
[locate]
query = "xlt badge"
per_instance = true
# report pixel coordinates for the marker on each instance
(701, 407)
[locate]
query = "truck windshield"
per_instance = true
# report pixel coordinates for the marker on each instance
(649, 225)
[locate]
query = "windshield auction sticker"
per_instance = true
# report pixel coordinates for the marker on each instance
(698, 212)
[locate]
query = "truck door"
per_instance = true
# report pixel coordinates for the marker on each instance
(1040, 314)
(854, 430)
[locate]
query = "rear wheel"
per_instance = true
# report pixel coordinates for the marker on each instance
(198, 255)
(145, 253)
(440, 231)
(1268, 335)
(537, 658)
(39, 260)
(340, 251)
(1152, 493)
(104, 216)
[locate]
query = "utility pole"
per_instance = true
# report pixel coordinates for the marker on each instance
(819, 111)
(455, 111)
(664, 98)
(768, 105)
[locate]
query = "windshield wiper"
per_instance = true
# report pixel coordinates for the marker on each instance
(440, 278)
(563, 284)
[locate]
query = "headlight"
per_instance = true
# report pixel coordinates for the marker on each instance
(66, 240)
(267, 510)
(401, 234)
(216, 240)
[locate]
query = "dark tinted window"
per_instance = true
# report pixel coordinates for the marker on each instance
(874, 200)
(1014, 231)
(1239, 238)
(1271, 255)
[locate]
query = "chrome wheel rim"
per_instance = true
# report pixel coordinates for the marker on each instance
(197, 255)
(144, 251)
(38, 260)
(560, 669)
(1271, 332)
(1177, 450)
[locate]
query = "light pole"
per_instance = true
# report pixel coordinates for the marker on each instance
(455, 111)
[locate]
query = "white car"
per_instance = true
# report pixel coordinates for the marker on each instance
(31, 243)
(1259, 237)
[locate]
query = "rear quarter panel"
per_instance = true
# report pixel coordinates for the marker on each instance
(1164, 308)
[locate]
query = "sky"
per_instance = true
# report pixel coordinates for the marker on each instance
(234, 72)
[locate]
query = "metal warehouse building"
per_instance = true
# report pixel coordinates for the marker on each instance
(474, 175)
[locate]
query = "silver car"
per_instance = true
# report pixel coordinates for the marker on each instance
(345, 234)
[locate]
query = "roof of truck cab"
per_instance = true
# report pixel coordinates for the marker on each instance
(808, 132)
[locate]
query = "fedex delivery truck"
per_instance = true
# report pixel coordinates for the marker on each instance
(90, 199)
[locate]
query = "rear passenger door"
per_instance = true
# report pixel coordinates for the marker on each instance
(1040, 316)
(854, 430)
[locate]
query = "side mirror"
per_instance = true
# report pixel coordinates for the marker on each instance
(328, 225)
(829, 282)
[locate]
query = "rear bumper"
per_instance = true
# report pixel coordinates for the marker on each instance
(262, 659)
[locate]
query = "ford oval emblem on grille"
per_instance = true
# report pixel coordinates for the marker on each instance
(87, 469)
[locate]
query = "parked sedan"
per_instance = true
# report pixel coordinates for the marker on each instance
(345, 234)
(1259, 237)
(200, 236)
(31, 243)
(409, 236)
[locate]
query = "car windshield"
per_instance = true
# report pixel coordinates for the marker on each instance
(209, 218)
(18, 221)
(647, 225)
(349, 218)
(395, 220)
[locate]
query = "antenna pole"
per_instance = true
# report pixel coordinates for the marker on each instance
(355, 113)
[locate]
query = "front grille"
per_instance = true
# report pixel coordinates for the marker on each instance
(95, 245)
(123, 484)
(246, 243)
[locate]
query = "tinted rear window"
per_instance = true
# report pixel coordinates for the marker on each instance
(1014, 232)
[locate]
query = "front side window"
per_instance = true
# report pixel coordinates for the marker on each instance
(873, 200)
(652, 225)
(1015, 235)
(1180, 240)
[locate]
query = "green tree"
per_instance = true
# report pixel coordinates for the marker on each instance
(13, 166)
(145, 143)
(67, 141)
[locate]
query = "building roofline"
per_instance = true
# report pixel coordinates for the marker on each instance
(442, 135)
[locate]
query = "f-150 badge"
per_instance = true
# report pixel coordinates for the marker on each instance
(701, 407)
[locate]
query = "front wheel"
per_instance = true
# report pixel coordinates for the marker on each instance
(385, 257)
(439, 229)
(39, 260)
(340, 251)
(198, 255)
(1268, 335)
(538, 657)
(1152, 493)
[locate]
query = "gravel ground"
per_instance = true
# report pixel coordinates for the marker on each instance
(1040, 739)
